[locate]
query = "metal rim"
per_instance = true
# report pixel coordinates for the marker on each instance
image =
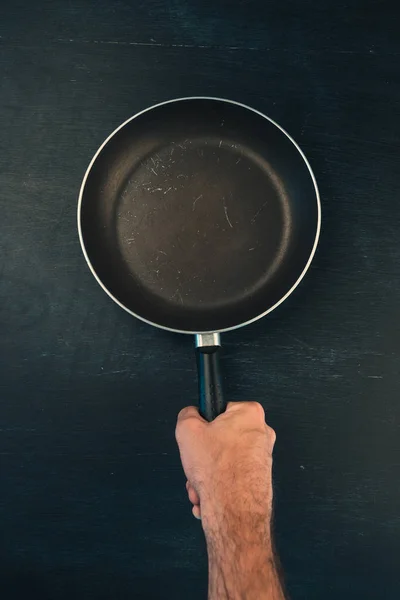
(261, 315)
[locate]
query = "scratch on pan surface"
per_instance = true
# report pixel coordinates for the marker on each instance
(195, 200)
(167, 190)
(258, 212)
(177, 293)
(151, 169)
(227, 217)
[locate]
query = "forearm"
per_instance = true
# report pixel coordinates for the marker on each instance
(241, 559)
(228, 464)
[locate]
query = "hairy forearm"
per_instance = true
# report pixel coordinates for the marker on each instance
(241, 560)
(228, 464)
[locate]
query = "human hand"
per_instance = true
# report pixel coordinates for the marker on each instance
(228, 463)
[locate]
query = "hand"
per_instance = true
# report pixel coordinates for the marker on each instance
(228, 465)
(227, 462)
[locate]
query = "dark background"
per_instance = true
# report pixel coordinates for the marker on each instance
(92, 495)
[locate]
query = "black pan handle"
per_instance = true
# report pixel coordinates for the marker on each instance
(211, 398)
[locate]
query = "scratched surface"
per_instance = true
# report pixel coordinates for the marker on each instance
(92, 501)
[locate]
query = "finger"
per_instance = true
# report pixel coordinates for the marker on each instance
(196, 512)
(232, 406)
(193, 495)
(190, 412)
(271, 434)
(248, 406)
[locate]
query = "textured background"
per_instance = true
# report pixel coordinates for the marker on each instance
(92, 499)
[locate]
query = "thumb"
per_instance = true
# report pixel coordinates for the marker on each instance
(190, 412)
(189, 422)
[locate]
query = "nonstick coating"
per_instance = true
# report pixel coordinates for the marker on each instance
(199, 215)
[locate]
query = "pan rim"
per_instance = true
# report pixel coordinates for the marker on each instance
(185, 331)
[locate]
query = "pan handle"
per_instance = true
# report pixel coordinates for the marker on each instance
(211, 398)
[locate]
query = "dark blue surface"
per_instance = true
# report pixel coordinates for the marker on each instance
(92, 498)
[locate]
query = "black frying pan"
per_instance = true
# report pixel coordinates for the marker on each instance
(199, 215)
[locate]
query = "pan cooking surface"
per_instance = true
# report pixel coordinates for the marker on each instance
(199, 222)
(199, 214)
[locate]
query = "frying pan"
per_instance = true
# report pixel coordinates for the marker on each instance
(199, 215)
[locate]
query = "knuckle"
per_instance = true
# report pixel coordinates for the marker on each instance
(255, 407)
(188, 420)
(184, 413)
(271, 434)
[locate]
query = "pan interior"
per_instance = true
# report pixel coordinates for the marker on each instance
(199, 215)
